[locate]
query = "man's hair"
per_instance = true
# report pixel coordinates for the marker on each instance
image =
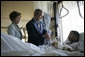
(37, 12)
(13, 15)
(76, 34)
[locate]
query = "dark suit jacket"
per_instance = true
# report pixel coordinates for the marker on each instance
(34, 33)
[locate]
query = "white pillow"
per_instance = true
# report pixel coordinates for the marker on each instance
(81, 37)
(81, 42)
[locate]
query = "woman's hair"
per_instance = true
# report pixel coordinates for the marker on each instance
(13, 15)
(76, 34)
(37, 12)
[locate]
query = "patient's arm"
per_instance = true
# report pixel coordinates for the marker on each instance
(74, 45)
(57, 45)
(68, 48)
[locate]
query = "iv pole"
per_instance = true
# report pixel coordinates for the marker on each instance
(54, 8)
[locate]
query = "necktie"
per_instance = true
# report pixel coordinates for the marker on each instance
(39, 25)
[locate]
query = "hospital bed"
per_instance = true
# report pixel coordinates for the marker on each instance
(23, 31)
(12, 46)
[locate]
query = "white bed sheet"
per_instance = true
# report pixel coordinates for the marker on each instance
(12, 46)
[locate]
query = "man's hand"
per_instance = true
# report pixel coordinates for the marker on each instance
(47, 36)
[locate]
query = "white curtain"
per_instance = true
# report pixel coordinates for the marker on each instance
(45, 6)
(72, 21)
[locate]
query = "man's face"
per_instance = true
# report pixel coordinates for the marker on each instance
(38, 17)
(72, 37)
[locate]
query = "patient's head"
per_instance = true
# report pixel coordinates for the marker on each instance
(73, 36)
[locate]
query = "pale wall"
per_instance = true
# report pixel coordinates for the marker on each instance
(25, 7)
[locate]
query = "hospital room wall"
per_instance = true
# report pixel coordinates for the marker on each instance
(26, 9)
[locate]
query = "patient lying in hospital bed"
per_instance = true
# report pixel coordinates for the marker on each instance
(74, 40)
(12, 46)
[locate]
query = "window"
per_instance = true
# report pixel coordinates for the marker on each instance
(72, 21)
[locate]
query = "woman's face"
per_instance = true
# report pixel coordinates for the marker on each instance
(16, 21)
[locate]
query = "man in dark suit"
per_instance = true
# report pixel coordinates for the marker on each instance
(35, 29)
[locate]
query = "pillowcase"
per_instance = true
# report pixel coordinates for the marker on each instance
(81, 42)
